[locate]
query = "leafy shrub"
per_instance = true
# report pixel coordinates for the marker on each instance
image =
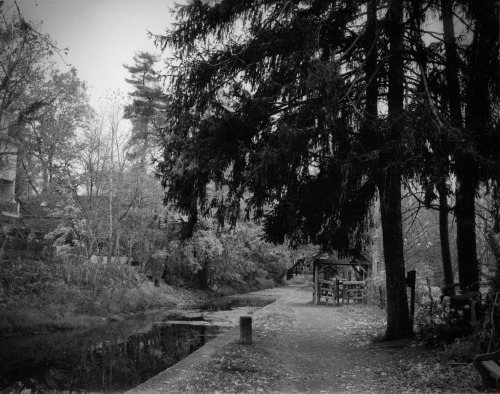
(438, 323)
(235, 257)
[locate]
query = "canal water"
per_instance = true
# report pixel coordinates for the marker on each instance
(112, 358)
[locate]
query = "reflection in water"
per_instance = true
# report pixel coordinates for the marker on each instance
(77, 362)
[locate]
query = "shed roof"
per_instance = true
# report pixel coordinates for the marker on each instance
(334, 261)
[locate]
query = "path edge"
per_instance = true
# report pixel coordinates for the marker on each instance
(188, 366)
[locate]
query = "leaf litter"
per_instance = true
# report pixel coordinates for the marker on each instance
(375, 367)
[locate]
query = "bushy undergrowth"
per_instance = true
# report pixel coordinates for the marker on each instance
(455, 327)
(59, 292)
(438, 322)
(235, 258)
(448, 326)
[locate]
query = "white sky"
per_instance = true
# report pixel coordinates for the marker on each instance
(101, 35)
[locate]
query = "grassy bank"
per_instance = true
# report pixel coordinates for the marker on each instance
(40, 296)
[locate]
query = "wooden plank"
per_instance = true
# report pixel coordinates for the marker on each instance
(204, 323)
(329, 282)
(492, 367)
(331, 261)
(316, 292)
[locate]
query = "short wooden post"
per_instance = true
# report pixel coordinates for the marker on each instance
(246, 330)
(316, 291)
(337, 289)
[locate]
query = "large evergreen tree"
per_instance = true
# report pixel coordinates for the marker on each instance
(461, 70)
(314, 107)
(477, 157)
(145, 110)
(267, 98)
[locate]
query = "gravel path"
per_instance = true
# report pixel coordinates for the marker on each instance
(315, 349)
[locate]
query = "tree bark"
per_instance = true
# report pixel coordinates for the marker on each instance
(468, 266)
(465, 163)
(389, 185)
(453, 101)
(451, 63)
(493, 240)
(475, 135)
(371, 62)
(444, 237)
(398, 318)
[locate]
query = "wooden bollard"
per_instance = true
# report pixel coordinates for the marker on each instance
(246, 330)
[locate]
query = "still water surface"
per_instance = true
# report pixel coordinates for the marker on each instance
(114, 358)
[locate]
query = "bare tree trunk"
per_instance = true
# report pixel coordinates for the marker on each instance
(117, 242)
(111, 168)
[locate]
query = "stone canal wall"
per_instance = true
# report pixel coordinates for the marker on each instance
(184, 369)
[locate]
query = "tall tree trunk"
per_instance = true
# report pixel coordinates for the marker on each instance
(468, 266)
(453, 100)
(477, 116)
(444, 237)
(468, 269)
(398, 319)
(389, 185)
(451, 63)
(371, 63)
(110, 244)
(493, 240)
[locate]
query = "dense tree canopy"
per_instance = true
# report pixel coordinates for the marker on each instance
(314, 108)
(24, 61)
(48, 150)
(274, 104)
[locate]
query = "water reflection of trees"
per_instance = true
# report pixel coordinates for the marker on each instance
(86, 364)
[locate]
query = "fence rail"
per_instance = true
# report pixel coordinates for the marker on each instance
(339, 291)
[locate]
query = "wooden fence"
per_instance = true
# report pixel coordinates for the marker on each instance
(339, 291)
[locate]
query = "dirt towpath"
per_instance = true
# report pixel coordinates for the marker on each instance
(302, 348)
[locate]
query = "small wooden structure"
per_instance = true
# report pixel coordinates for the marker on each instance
(339, 289)
(488, 366)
